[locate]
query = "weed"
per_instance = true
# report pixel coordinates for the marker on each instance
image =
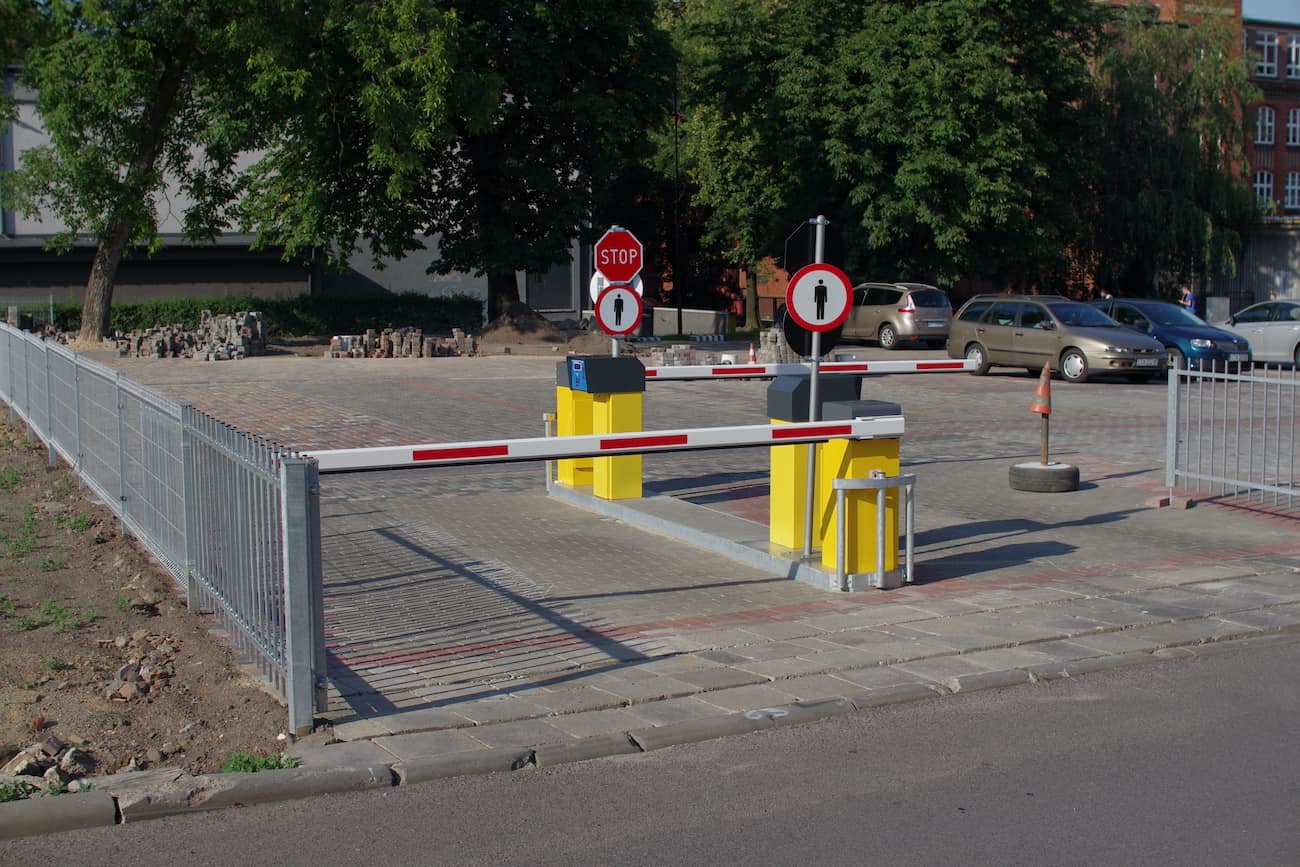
(52, 663)
(16, 791)
(251, 763)
(53, 564)
(76, 523)
(21, 545)
(88, 616)
(25, 624)
(6, 605)
(64, 487)
(122, 603)
(61, 617)
(9, 478)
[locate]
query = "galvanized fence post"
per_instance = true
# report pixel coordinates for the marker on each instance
(1171, 431)
(187, 500)
(121, 453)
(49, 408)
(303, 602)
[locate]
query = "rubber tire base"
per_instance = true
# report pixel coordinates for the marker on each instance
(1041, 478)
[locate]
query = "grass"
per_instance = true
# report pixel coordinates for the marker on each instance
(6, 605)
(52, 663)
(251, 763)
(122, 603)
(9, 478)
(24, 542)
(16, 791)
(61, 617)
(53, 564)
(76, 523)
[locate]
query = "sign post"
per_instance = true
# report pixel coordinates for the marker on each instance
(619, 258)
(818, 298)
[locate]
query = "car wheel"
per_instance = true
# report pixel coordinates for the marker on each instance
(1074, 366)
(1176, 358)
(975, 353)
(1295, 356)
(888, 337)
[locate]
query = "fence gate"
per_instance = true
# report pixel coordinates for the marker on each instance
(1232, 432)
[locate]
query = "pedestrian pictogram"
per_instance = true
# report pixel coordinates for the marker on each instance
(819, 297)
(618, 309)
(1042, 402)
(619, 255)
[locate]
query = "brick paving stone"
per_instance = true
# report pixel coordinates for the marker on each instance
(499, 708)
(650, 689)
(744, 698)
(597, 722)
(942, 668)
(1108, 643)
(812, 687)
(674, 710)
(1281, 617)
(720, 678)
(791, 666)
(423, 744)
(1002, 658)
(782, 630)
(880, 677)
(520, 733)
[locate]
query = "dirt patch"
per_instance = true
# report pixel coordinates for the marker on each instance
(97, 646)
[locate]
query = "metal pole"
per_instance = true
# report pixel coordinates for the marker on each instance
(818, 256)
(613, 347)
(299, 505)
(1044, 426)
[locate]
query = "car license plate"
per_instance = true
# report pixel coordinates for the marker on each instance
(1146, 362)
(934, 323)
(1238, 356)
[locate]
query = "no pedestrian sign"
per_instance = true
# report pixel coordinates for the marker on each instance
(618, 310)
(819, 297)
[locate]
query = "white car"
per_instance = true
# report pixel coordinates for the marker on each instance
(1272, 328)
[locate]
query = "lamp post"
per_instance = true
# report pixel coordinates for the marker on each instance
(679, 274)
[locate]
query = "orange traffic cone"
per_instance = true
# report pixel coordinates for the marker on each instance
(1042, 402)
(753, 356)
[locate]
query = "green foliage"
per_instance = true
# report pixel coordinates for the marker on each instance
(122, 603)
(1166, 203)
(251, 763)
(52, 564)
(24, 541)
(9, 478)
(78, 523)
(26, 624)
(52, 663)
(16, 791)
(6, 605)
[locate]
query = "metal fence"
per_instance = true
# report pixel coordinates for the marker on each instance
(233, 518)
(1232, 432)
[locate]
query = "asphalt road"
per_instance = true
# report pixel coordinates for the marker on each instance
(1187, 762)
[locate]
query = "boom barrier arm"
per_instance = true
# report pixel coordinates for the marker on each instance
(601, 445)
(770, 371)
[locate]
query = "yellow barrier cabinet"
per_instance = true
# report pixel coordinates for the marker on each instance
(605, 393)
(858, 459)
(573, 418)
(787, 402)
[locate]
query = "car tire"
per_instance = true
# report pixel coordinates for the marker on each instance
(1044, 478)
(1074, 366)
(888, 337)
(1176, 357)
(1295, 356)
(975, 352)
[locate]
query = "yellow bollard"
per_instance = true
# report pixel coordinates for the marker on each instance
(573, 418)
(856, 459)
(619, 477)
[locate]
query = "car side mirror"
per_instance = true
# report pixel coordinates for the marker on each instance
(1143, 324)
(1049, 325)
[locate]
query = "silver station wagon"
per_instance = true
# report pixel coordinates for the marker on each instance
(1028, 331)
(895, 312)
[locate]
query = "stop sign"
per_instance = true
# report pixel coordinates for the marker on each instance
(619, 255)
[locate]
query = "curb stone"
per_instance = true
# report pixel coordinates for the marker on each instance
(900, 694)
(987, 680)
(50, 814)
(488, 761)
(696, 730)
(598, 747)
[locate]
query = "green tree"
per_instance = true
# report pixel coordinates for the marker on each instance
(132, 94)
(1171, 196)
(544, 105)
(731, 127)
(955, 127)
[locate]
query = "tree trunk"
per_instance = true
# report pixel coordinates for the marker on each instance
(503, 294)
(97, 304)
(751, 298)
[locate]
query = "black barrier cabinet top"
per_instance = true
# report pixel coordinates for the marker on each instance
(787, 396)
(844, 410)
(601, 374)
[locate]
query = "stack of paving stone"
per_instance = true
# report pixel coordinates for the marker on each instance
(406, 342)
(218, 338)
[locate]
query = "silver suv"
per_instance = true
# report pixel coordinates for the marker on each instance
(894, 312)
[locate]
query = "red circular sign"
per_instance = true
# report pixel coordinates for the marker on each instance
(619, 255)
(618, 309)
(819, 297)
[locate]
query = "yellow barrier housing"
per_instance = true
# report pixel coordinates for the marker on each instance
(857, 459)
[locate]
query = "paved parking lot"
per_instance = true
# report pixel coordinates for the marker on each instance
(462, 602)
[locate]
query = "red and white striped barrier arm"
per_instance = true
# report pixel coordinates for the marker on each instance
(601, 445)
(768, 371)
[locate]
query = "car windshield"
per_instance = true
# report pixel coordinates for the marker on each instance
(1170, 314)
(1080, 315)
(929, 298)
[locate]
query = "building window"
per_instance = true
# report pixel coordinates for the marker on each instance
(1264, 118)
(1264, 186)
(1292, 191)
(1293, 127)
(1266, 43)
(1293, 57)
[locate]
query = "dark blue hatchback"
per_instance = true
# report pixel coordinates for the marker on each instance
(1188, 339)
